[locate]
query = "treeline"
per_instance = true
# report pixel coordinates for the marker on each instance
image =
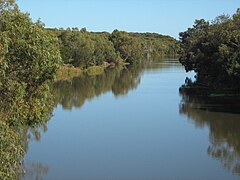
(212, 50)
(81, 48)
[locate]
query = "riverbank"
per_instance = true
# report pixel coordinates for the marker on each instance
(211, 99)
(67, 72)
(204, 90)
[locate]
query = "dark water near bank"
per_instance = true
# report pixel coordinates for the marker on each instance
(134, 124)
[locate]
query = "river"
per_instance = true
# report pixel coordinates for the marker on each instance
(134, 124)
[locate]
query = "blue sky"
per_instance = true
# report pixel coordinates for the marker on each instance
(167, 17)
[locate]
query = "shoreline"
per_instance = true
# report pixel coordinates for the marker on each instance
(67, 72)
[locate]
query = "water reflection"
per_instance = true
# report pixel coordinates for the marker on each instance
(143, 143)
(222, 116)
(74, 92)
(35, 170)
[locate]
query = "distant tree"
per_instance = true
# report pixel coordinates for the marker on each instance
(104, 49)
(129, 48)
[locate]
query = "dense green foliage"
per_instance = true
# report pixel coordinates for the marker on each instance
(83, 49)
(29, 59)
(157, 46)
(129, 48)
(11, 152)
(212, 50)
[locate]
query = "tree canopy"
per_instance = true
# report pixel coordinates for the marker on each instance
(212, 50)
(29, 59)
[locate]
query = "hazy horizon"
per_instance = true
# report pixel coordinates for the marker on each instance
(164, 17)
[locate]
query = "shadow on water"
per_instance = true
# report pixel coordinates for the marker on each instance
(222, 116)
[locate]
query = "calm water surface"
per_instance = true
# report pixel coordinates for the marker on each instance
(134, 124)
